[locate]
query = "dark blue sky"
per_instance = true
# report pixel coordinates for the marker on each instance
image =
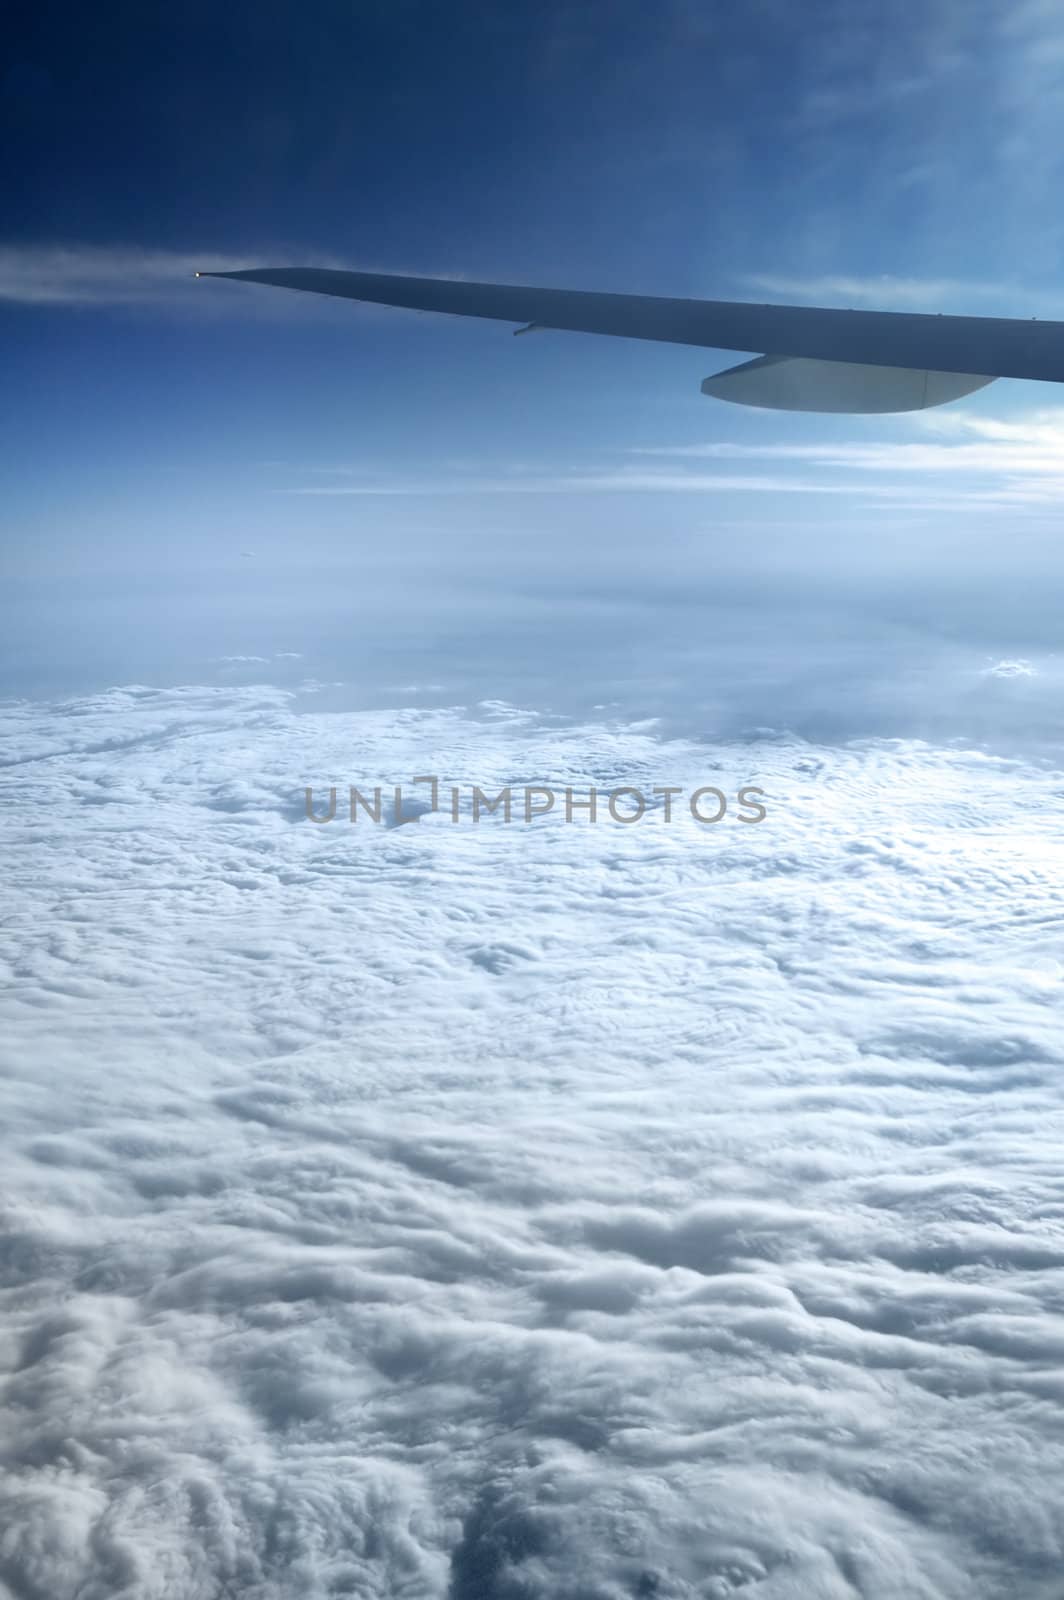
(552, 136)
(157, 428)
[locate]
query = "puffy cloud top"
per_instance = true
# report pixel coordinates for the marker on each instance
(505, 1211)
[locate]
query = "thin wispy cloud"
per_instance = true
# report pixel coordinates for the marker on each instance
(980, 461)
(121, 275)
(623, 481)
(1025, 455)
(84, 276)
(124, 275)
(965, 443)
(886, 291)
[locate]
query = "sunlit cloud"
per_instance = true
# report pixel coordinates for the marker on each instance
(1025, 455)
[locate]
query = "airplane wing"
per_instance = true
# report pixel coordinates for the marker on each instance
(809, 358)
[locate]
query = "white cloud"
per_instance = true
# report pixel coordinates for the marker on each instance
(950, 460)
(551, 1211)
(1016, 462)
(885, 290)
(1011, 669)
(247, 660)
(634, 480)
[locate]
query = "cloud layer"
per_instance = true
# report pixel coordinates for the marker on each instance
(519, 1212)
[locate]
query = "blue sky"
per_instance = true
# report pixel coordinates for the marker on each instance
(199, 471)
